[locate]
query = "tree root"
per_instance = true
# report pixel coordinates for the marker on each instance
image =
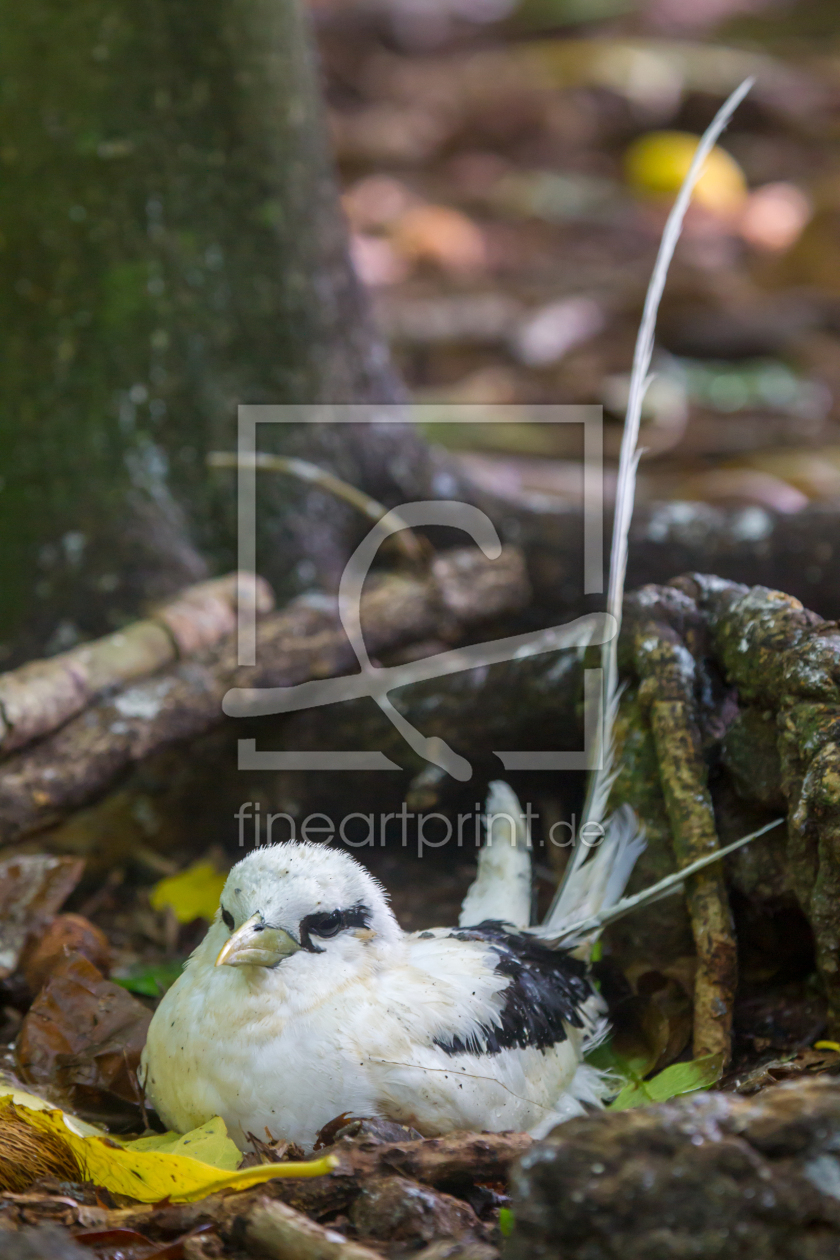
(667, 670)
(747, 680)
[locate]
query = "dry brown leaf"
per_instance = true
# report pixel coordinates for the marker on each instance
(81, 1042)
(68, 933)
(32, 889)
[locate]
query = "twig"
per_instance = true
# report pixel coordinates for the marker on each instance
(409, 542)
(139, 1090)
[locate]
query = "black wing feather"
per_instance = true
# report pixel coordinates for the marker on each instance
(547, 989)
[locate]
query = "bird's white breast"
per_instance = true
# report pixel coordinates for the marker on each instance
(225, 1042)
(266, 1054)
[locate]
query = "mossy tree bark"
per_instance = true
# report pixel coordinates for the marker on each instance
(171, 246)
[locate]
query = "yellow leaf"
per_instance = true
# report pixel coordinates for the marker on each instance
(658, 162)
(192, 894)
(209, 1143)
(152, 1175)
(10, 1089)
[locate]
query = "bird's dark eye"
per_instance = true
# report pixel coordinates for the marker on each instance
(227, 919)
(325, 925)
(330, 923)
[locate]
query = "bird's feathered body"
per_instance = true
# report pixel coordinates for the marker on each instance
(478, 1027)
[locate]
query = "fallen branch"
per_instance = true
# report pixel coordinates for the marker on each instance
(39, 697)
(434, 1161)
(444, 1162)
(304, 641)
(275, 1230)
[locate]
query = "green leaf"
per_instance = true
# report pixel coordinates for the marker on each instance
(150, 980)
(629, 1067)
(679, 1078)
(506, 1222)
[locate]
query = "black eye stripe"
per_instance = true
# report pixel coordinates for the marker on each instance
(329, 923)
(227, 919)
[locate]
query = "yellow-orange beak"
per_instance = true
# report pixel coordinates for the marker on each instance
(255, 945)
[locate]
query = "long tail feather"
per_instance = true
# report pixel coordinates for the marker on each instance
(597, 884)
(604, 772)
(589, 927)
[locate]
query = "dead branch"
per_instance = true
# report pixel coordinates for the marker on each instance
(275, 1230)
(303, 641)
(434, 1161)
(40, 696)
(455, 1159)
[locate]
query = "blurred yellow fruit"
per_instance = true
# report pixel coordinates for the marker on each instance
(657, 163)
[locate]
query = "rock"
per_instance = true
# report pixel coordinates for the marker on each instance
(712, 1176)
(399, 1210)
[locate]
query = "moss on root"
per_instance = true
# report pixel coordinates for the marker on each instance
(734, 697)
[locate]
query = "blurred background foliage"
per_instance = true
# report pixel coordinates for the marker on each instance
(507, 167)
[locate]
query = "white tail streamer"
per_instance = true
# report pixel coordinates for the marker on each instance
(628, 839)
(588, 928)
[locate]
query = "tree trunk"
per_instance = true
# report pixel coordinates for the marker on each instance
(172, 245)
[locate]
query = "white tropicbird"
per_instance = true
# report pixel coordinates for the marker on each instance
(306, 1000)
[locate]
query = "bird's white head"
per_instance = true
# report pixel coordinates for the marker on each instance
(287, 903)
